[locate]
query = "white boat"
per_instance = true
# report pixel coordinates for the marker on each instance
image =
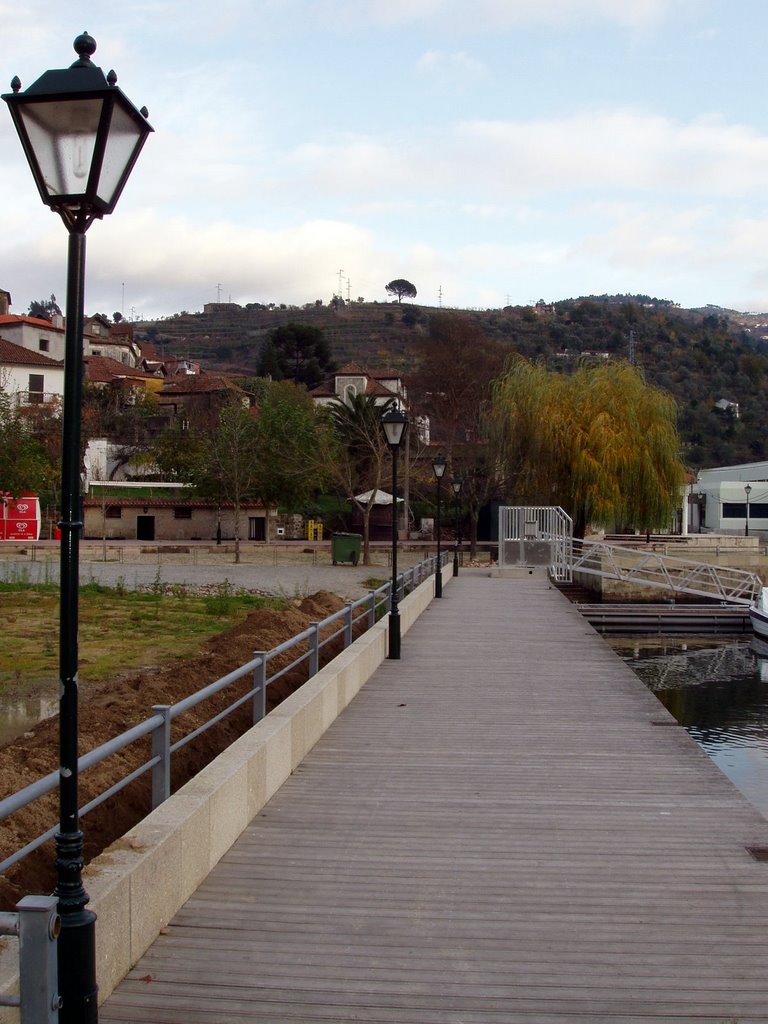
(758, 615)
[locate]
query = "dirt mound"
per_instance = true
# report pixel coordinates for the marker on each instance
(113, 707)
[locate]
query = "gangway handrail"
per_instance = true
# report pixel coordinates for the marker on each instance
(654, 569)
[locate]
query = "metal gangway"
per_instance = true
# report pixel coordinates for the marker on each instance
(666, 572)
(540, 535)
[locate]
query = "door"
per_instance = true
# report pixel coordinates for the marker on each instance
(145, 527)
(256, 525)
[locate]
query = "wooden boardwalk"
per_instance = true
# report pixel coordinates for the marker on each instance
(505, 826)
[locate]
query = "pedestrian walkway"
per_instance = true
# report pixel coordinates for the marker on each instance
(504, 827)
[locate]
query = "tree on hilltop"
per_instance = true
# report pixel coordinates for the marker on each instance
(400, 287)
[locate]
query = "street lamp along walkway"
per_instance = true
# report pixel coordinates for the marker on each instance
(395, 424)
(439, 464)
(81, 136)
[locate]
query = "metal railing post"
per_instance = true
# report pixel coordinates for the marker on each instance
(161, 749)
(371, 608)
(314, 649)
(260, 687)
(348, 624)
(39, 926)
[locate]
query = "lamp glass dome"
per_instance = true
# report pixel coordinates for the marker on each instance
(394, 423)
(81, 136)
(439, 465)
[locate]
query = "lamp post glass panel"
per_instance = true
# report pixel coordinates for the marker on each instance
(395, 424)
(438, 468)
(456, 485)
(81, 137)
(747, 491)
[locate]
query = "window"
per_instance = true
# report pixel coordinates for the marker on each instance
(113, 512)
(36, 388)
(738, 510)
(182, 513)
(43, 344)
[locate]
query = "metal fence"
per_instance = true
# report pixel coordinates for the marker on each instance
(536, 535)
(303, 649)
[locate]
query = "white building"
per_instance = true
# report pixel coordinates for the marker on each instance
(730, 499)
(31, 378)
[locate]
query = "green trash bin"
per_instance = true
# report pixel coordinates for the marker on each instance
(345, 547)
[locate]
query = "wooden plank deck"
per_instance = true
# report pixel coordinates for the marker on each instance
(505, 826)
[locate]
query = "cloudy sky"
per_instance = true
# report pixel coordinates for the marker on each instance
(489, 151)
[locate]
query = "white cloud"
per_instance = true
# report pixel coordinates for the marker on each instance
(452, 69)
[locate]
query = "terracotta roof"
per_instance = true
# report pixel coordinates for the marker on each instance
(17, 354)
(193, 384)
(35, 321)
(107, 499)
(374, 387)
(103, 370)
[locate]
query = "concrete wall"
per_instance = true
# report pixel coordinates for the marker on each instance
(142, 880)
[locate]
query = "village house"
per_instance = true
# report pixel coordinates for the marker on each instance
(30, 377)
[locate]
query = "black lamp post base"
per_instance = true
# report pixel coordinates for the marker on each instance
(77, 968)
(394, 635)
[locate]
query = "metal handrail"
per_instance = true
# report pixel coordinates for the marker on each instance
(365, 610)
(654, 569)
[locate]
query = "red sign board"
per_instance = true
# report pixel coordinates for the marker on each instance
(19, 517)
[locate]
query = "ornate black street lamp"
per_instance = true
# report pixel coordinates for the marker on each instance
(456, 485)
(81, 137)
(395, 424)
(438, 468)
(747, 491)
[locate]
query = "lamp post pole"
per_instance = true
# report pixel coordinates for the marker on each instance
(747, 491)
(395, 424)
(81, 137)
(438, 468)
(456, 485)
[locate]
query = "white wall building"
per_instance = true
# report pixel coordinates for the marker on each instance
(719, 501)
(31, 378)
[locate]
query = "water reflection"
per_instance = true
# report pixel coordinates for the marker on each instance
(21, 713)
(718, 690)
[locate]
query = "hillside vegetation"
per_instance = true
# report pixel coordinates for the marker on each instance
(701, 356)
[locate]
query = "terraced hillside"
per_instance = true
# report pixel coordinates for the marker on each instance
(230, 337)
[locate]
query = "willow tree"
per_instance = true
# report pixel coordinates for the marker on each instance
(600, 442)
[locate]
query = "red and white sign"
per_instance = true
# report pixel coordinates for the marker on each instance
(19, 517)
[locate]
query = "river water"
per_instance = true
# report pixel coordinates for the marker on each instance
(717, 688)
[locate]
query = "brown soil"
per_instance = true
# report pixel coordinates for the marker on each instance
(112, 707)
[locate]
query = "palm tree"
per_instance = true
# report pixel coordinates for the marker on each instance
(357, 423)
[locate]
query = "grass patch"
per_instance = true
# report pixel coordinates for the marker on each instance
(374, 582)
(119, 630)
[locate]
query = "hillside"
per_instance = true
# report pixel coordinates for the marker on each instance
(701, 356)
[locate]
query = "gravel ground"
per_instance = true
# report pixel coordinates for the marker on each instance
(287, 572)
